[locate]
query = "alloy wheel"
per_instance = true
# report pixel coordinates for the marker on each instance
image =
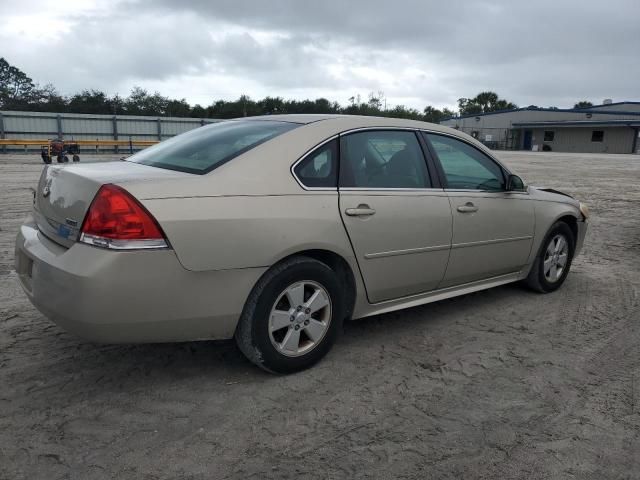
(300, 318)
(555, 258)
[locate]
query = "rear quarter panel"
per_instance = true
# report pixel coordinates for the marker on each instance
(229, 232)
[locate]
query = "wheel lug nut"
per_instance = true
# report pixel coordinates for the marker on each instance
(299, 308)
(297, 327)
(307, 310)
(292, 318)
(306, 322)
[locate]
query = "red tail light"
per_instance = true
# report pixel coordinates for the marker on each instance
(117, 220)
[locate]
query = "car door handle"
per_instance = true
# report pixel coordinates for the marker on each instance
(361, 211)
(468, 208)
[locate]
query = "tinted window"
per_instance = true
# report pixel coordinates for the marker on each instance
(466, 167)
(320, 167)
(549, 135)
(382, 159)
(205, 148)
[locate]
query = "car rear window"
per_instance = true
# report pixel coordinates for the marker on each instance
(203, 149)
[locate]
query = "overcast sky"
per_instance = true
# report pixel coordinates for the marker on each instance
(418, 52)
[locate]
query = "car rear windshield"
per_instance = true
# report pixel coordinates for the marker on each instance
(201, 150)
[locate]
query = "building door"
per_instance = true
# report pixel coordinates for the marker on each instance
(526, 144)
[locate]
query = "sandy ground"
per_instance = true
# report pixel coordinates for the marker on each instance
(500, 384)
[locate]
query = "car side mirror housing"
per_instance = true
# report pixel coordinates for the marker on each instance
(515, 184)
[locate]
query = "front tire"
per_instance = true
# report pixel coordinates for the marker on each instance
(552, 264)
(292, 316)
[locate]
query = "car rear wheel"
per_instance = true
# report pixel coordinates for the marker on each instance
(292, 317)
(552, 264)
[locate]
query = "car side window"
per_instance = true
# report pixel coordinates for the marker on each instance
(319, 169)
(465, 167)
(382, 159)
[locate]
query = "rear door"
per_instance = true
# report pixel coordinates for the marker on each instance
(398, 221)
(492, 228)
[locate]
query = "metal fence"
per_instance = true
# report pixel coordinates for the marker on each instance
(495, 138)
(76, 126)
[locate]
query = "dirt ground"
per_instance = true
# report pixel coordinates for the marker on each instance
(504, 383)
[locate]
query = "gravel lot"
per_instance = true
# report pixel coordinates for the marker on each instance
(504, 383)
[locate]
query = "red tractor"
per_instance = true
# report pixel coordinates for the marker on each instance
(60, 149)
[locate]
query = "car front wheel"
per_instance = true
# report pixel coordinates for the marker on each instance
(552, 264)
(292, 317)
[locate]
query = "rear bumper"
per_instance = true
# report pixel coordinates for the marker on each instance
(128, 297)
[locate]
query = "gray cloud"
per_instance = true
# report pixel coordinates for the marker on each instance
(418, 52)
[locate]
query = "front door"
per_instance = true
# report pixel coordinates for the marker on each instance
(400, 227)
(492, 229)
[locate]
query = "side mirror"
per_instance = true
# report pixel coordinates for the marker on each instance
(515, 184)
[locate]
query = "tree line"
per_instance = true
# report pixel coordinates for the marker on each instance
(19, 92)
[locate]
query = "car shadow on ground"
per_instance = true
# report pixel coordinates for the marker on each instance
(221, 361)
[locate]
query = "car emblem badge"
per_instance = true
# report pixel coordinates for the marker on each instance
(47, 189)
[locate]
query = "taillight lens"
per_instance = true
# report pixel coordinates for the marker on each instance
(117, 220)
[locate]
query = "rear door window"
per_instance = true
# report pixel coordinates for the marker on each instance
(201, 150)
(383, 159)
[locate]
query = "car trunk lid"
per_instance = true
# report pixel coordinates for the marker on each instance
(65, 193)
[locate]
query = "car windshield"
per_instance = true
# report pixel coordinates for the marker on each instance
(201, 150)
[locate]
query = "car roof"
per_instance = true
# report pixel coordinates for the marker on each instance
(354, 121)
(302, 118)
(336, 123)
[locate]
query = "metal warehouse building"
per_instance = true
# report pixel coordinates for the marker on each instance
(76, 126)
(607, 128)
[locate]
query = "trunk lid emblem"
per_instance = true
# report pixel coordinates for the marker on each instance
(47, 189)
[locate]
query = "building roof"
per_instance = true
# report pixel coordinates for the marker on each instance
(608, 105)
(541, 109)
(579, 123)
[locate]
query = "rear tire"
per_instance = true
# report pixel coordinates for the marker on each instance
(292, 316)
(76, 158)
(553, 262)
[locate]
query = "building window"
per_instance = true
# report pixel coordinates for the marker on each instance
(549, 135)
(597, 136)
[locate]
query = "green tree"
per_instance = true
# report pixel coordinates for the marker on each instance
(89, 101)
(583, 104)
(49, 100)
(271, 105)
(140, 102)
(178, 108)
(484, 102)
(400, 111)
(198, 111)
(435, 115)
(17, 90)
